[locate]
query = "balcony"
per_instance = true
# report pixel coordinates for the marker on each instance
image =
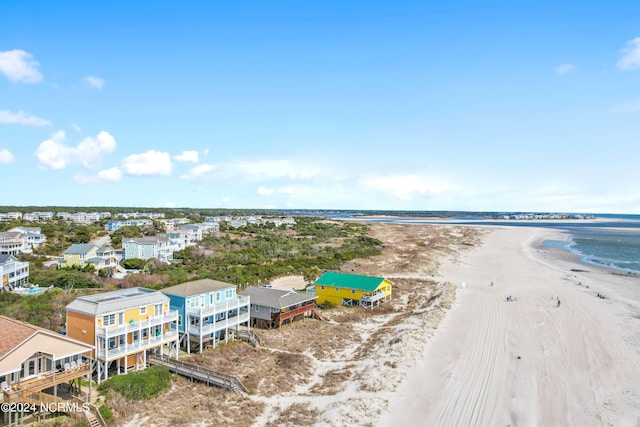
(239, 302)
(220, 325)
(292, 312)
(46, 380)
(170, 316)
(136, 346)
(373, 298)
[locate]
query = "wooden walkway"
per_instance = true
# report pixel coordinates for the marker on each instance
(199, 373)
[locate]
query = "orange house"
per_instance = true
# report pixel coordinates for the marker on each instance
(122, 326)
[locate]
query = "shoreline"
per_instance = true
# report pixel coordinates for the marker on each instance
(528, 362)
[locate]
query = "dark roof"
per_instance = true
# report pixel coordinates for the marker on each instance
(276, 298)
(4, 258)
(351, 281)
(197, 287)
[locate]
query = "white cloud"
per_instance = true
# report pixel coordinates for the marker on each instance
(169, 205)
(563, 69)
(187, 156)
(632, 106)
(22, 118)
(198, 171)
(19, 66)
(405, 186)
(111, 175)
(90, 149)
(150, 163)
(263, 191)
(54, 154)
(6, 156)
(93, 81)
(206, 151)
(255, 170)
(630, 55)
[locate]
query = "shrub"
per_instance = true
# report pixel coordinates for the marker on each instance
(140, 385)
(106, 412)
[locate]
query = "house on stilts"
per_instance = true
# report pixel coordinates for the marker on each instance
(271, 308)
(209, 311)
(122, 326)
(351, 289)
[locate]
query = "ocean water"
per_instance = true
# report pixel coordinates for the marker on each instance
(613, 242)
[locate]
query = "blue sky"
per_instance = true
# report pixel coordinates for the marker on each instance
(460, 105)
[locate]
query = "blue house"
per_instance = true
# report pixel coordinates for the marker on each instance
(207, 311)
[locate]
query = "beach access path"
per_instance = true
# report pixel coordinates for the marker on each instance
(529, 362)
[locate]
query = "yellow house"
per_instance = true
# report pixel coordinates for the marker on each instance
(352, 289)
(78, 254)
(122, 326)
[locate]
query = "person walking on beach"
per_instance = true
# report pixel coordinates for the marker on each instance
(558, 302)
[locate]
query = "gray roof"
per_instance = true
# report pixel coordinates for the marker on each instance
(114, 301)
(197, 287)
(80, 248)
(276, 298)
(5, 258)
(104, 249)
(149, 240)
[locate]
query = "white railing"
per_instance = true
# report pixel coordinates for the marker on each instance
(373, 298)
(239, 302)
(219, 325)
(136, 346)
(170, 316)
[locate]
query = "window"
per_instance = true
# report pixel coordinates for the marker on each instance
(109, 320)
(194, 321)
(218, 296)
(337, 289)
(228, 294)
(257, 307)
(157, 310)
(143, 311)
(388, 288)
(112, 342)
(179, 319)
(322, 287)
(193, 302)
(121, 318)
(353, 291)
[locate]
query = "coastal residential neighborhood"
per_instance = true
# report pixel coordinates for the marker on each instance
(118, 330)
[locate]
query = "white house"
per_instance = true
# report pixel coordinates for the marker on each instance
(13, 273)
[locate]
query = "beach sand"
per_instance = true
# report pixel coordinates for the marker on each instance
(528, 362)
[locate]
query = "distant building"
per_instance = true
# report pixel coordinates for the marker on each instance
(147, 248)
(270, 308)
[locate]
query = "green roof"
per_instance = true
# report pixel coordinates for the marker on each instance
(352, 281)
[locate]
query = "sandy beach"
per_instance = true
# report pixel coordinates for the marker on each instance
(448, 350)
(528, 362)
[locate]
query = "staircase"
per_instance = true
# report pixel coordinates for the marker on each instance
(71, 407)
(249, 336)
(317, 314)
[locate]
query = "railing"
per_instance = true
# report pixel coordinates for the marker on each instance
(373, 298)
(282, 316)
(208, 376)
(111, 331)
(239, 302)
(43, 381)
(219, 325)
(106, 354)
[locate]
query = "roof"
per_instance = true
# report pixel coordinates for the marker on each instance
(4, 258)
(110, 302)
(104, 249)
(275, 298)
(20, 340)
(149, 240)
(197, 287)
(352, 281)
(80, 249)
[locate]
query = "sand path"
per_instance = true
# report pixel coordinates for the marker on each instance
(529, 362)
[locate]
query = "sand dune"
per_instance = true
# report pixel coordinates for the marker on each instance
(528, 362)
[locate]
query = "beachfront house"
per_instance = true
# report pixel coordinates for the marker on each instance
(33, 362)
(208, 311)
(352, 289)
(122, 326)
(271, 308)
(13, 273)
